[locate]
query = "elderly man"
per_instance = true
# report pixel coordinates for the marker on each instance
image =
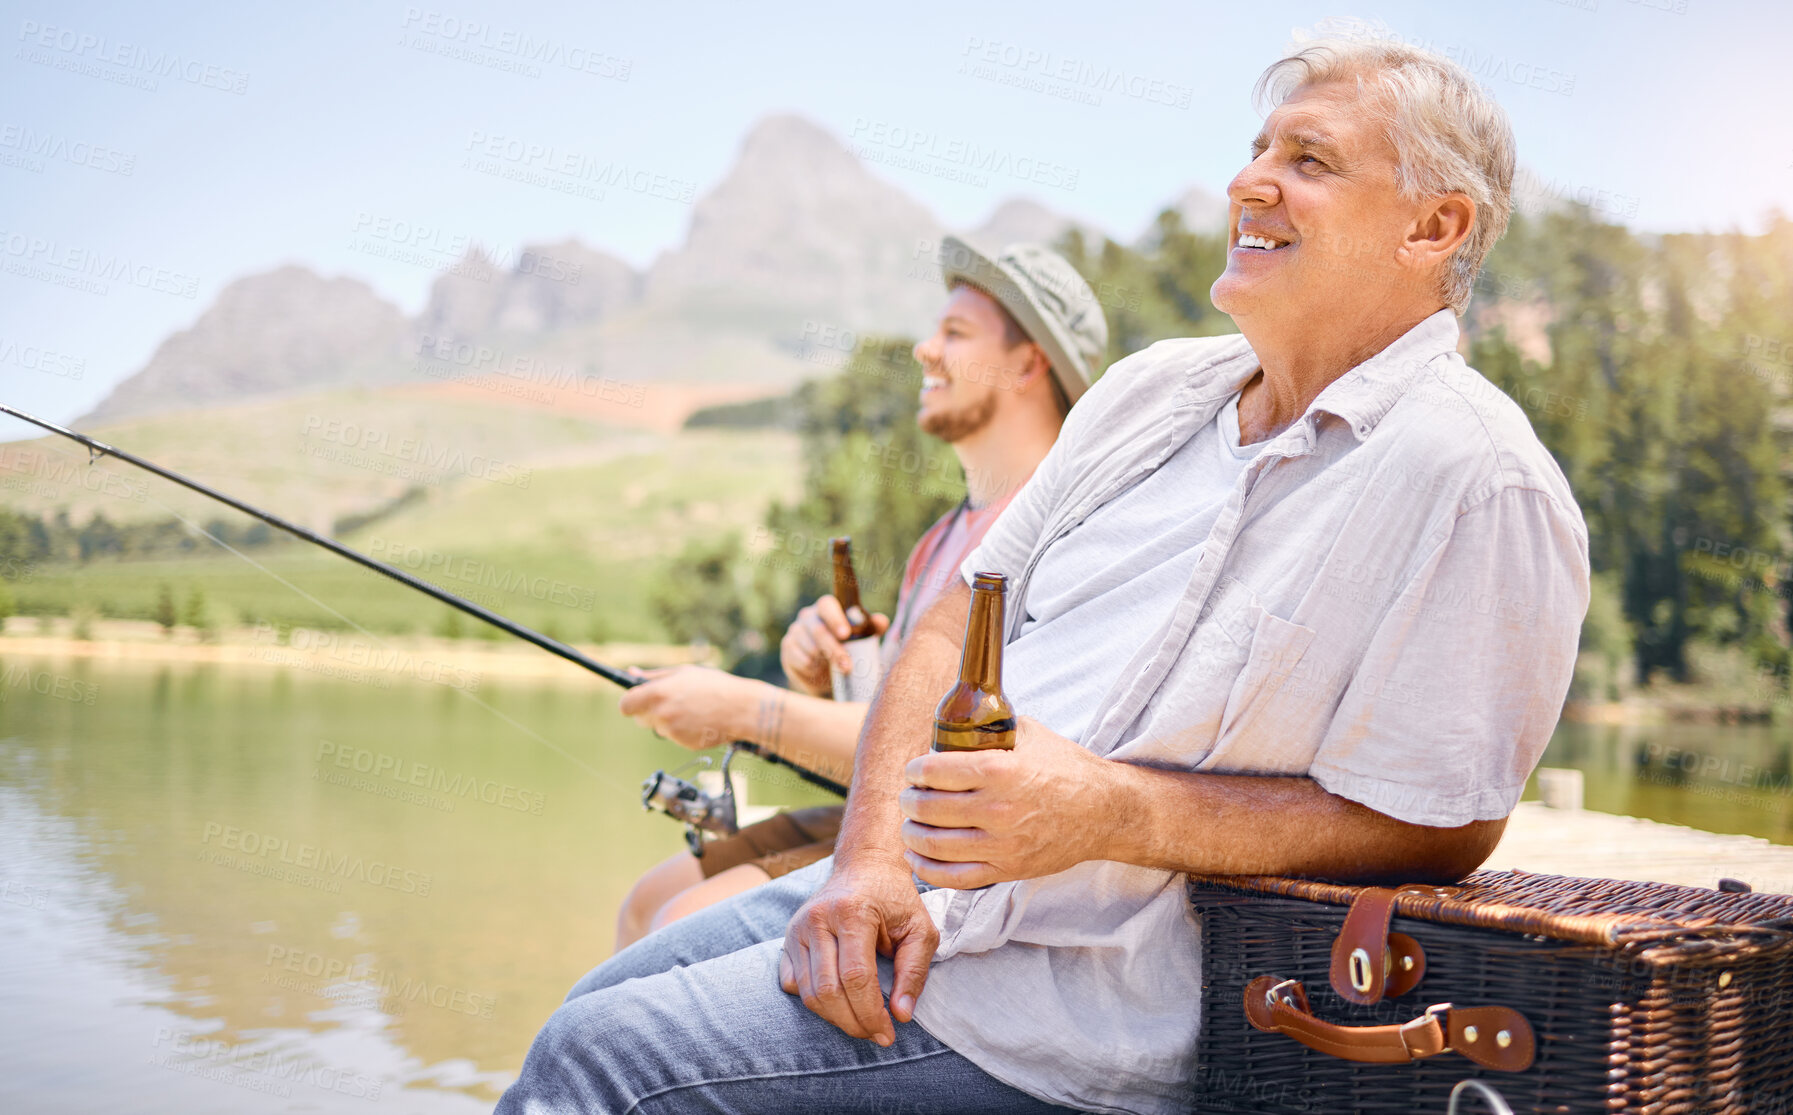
(1302, 601)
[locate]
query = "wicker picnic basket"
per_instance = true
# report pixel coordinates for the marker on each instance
(1565, 995)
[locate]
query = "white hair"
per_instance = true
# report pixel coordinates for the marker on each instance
(1449, 135)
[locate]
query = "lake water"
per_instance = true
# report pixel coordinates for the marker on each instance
(205, 911)
(1717, 777)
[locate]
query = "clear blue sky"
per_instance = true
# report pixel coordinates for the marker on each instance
(1673, 113)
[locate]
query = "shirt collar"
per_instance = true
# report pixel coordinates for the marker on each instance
(1360, 397)
(1365, 393)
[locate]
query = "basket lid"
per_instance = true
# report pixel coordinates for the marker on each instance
(1567, 908)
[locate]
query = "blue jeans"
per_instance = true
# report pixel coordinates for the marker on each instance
(691, 1019)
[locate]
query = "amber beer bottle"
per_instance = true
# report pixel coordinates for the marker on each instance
(974, 715)
(862, 638)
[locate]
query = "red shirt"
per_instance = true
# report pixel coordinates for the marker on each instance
(934, 565)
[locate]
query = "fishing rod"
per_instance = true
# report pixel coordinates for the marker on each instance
(97, 449)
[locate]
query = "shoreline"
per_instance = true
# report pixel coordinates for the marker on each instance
(139, 641)
(1671, 707)
(131, 642)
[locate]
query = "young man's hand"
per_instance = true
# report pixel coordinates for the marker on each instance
(813, 644)
(696, 706)
(981, 817)
(832, 946)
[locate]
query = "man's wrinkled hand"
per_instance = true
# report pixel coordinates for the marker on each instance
(811, 646)
(979, 817)
(832, 946)
(694, 706)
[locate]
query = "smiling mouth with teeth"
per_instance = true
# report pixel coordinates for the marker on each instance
(1261, 243)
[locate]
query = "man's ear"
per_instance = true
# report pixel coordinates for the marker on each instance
(1038, 370)
(1438, 230)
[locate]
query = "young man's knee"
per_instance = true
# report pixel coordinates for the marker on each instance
(717, 888)
(635, 914)
(672, 910)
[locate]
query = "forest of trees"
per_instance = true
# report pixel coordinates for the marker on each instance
(1657, 369)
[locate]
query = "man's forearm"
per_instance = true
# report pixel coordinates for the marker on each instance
(813, 732)
(1220, 824)
(898, 728)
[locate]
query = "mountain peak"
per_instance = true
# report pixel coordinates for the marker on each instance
(786, 139)
(545, 287)
(799, 221)
(288, 329)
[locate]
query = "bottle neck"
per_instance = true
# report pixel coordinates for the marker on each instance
(846, 583)
(846, 590)
(980, 664)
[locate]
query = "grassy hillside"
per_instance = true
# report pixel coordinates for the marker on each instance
(573, 552)
(313, 458)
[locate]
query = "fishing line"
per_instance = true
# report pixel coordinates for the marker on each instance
(97, 449)
(196, 528)
(474, 697)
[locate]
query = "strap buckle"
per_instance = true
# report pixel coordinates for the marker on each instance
(1429, 1034)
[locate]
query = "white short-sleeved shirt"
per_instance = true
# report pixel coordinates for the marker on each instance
(1388, 601)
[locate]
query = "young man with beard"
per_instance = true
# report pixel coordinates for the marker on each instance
(1014, 347)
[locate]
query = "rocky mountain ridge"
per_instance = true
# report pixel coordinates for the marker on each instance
(798, 231)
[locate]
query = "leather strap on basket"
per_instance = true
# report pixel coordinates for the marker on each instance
(1369, 962)
(1494, 1037)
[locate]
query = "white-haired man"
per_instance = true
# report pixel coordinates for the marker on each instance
(1302, 601)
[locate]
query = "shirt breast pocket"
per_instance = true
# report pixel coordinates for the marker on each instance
(1271, 677)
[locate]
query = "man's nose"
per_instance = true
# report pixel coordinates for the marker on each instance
(1254, 185)
(927, 352)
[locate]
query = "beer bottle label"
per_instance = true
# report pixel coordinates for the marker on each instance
(862, 683)
(998, 734)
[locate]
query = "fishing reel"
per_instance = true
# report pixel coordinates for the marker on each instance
(700, 810)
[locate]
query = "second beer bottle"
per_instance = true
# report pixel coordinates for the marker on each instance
(974, 715)
(862, 638)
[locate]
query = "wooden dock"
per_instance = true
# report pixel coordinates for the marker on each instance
(1603, 845)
